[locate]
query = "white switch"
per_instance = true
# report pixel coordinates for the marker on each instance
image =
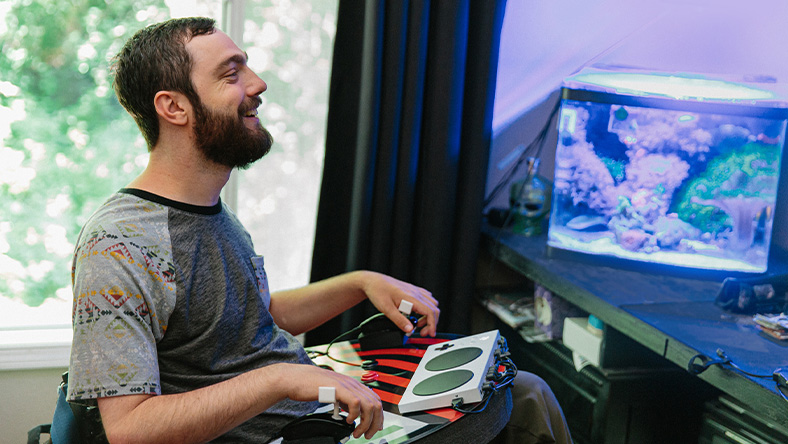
(405, 307)
(328, 395)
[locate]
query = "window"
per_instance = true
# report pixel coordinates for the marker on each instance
(290, 45)
(66, 144)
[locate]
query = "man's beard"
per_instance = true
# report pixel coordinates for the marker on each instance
(226, 140)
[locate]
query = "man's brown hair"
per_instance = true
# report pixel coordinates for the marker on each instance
(156, 59)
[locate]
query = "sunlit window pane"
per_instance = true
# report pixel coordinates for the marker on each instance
(66, 144)
(290, 45)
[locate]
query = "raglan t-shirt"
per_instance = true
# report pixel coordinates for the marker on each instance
(171, 297)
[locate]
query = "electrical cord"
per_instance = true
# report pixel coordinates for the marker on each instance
(496, 380)
(722, 359)
(352, 331)
(538, 142)
(700, 363)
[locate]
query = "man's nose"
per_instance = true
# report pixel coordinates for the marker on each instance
(258, 86)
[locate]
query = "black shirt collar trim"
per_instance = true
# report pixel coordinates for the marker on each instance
(198, 209)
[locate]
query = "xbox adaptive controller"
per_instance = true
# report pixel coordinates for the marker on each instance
(380, 332)
(319, 428)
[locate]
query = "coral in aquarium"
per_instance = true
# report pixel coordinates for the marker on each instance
(617, 168)
(658, 179)
(579, 171)
(649, 130)
(741, 212)
(734, 194)
(688, 182)
(657, 175)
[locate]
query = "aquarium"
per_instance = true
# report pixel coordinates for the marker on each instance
(680, 170)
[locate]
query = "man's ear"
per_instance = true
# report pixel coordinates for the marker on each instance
(173, 107)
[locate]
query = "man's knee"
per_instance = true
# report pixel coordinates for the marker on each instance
(536, 415)
(530, 386)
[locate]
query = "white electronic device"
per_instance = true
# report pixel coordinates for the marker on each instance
(451, 371)
(328, 395)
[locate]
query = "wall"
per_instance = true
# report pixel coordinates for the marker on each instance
(28, 399)
(544, 41)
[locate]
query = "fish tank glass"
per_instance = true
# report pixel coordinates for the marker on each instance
(680, 170)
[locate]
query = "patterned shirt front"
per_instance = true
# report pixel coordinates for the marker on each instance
(171, 297)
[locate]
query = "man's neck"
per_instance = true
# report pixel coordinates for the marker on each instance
(181, 179)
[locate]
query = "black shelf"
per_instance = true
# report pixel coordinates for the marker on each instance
(627, 404)
(673, 316)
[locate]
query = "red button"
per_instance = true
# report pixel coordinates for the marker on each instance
(369, 377)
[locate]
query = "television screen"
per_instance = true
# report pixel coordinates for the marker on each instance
(667, 169)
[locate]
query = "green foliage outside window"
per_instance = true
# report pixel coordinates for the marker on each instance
(65, 142)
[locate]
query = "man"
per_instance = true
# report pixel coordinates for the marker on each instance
(176, 336)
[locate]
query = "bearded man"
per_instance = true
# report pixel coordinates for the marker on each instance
(176, 335)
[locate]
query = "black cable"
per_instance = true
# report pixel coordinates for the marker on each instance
(496, 380)
(723, 361)
(488, 394)
(500, 380)
(740, 370)
(781, 392)
(538, 142)
(475, 409)
(726, 360)
(345, 334)
(780, 377)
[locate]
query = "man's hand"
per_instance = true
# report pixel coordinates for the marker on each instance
(302, 309)
(385, 293)
(358, 400)
(206, 413)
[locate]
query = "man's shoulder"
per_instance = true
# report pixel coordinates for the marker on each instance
(125, 250)
(122, 209)
(123, 205)
(121, 219)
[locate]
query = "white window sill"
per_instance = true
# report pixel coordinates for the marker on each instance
(24, 349)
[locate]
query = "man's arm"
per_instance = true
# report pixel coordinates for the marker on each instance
(300, 310)
(206, 413)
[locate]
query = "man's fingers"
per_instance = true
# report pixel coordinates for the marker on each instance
(370, 414)
(364, 422)
(361, 403)
(429, 319)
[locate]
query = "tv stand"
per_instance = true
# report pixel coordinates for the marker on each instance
(675, 317)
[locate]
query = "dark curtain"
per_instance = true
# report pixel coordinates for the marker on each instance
(407, 145)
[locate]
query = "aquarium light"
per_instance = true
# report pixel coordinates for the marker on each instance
(674, 86)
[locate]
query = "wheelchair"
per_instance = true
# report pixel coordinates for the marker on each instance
(72, 423)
